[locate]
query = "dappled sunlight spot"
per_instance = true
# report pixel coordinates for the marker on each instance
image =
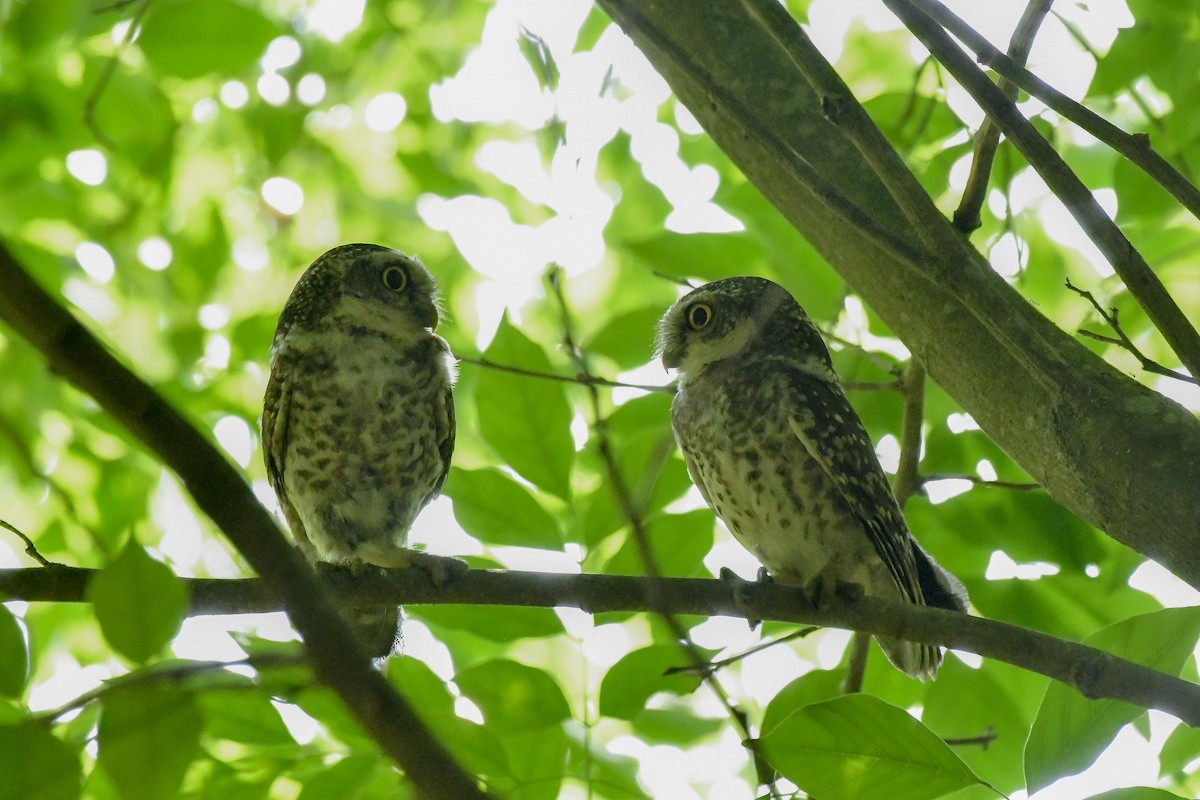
(1182, 392)
(183, 538)
(830, 647)
(206, 638)
(155, 253)
(1008, 256)
(93, 300)
(1002, 567)
(67, 679)
(302, 727)
(234, 94)
(535, 559)
(763, 674)
(205, 110)
(959, 422)
(87, 166)
(466, 709)
(236, 438)
(421, 644)
(333, 19)
(971, 660)
(217, 351)
(250, 253)
(384, 112)
(213, 316)
(273, 88)
(310, 90)
(119, 31)
(605, 645)
(852, 325)
(942, 490)
(1156, 581)
(985, 470)
(436, 531)
(579, 431)
(576, 622)
(96, 261)
(283, 194)
(888, 453)
(1129, 760)
(282, 52)
(725, 552)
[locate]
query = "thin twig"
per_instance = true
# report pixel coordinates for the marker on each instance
(581, 379)
(710, 667)
(982, 740)
(30, 548)
(978, 481)
(637, 526)
(1141, 281)
(1111, 317)
(106, 74)
(1135, 147)
(987, 138)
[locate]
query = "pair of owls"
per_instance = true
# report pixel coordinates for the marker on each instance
(358, 429)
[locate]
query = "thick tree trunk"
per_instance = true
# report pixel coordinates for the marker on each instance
(1119, 455)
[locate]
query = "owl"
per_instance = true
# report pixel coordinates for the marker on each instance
(778, 453)
(358, 419)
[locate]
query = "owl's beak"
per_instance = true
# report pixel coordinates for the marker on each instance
(671, 357)
(427, 315)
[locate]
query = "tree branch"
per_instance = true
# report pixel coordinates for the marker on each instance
(987, 138)
(338, 658)
(1094, 673)
(1141, 281)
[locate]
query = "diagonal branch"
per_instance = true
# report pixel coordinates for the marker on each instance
(221, 492)
(1141, 281)
(1094, 673)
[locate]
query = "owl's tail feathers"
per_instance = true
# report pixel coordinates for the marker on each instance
(940, 589)
(919, 661)
(379, 629)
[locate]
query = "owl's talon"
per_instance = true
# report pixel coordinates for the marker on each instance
(743, 590)
(441, 569)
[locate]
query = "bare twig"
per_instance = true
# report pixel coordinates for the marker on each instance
(1094, 673)
(1122, 340)
(106, 74)
(582, 379)
(1141, 281)
(987, 138)
(30, 548)
(710, 667)
(338, 658)
(1135, 147)
(982, 740)
(978, 481)
(633, 515)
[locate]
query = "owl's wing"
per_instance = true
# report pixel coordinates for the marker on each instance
(277, 406)
(444, 421)
(833, 435)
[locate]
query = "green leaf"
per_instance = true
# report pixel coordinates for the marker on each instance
(514, 698)
(708, 256)
(639, 675)
(495, 509)
(148, 735)
(14, 655)
(1070, 730)
(138, 602)
(36, 765)
(676, 726)
(538, 762)
(190, 38)
(858, 747)
(346, 778)
(628, 339)
(541, 60)
(811, 687)
(679, 543)
(244, 716)
(494, 624)
(527, 419)
(1136, 793)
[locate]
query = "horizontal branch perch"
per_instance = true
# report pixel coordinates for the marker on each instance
(1094, 673)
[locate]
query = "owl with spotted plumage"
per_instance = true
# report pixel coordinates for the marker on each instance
(358, 419)
(778, 453)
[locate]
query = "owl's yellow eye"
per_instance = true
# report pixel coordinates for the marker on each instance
(699, 315)
(395, 278)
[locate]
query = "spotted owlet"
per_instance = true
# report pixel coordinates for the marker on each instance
(358, 419)
(778, 453)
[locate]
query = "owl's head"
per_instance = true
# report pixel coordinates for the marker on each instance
(367, 285)
(720, 320)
